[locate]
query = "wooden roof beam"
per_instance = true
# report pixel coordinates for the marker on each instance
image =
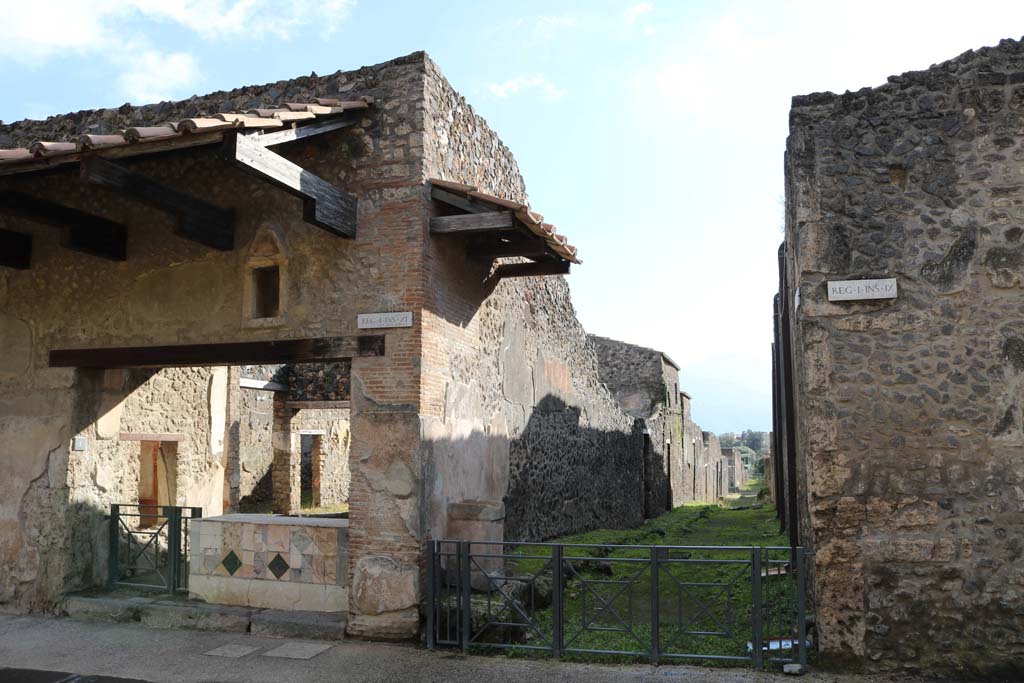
(321, 349)
(473, 223)
(534, 249)
(80, 231)
(15, 250)
(323, 205)
(198, 220)
(531, 269)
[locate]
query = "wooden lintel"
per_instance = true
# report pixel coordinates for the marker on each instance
(471, 223)
(278, 137)
(198, 220)
(464, 203)
(531, 269)
(80, 231)
(323, 204)
(318, 405)
(15, 250)
(322, 349)
(146, 436)
(533, 249)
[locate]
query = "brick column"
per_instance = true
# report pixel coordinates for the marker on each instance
(232, 441)
(286, 474)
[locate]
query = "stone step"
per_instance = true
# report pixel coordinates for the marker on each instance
(166, 612)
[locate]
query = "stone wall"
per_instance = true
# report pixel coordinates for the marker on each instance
(646, 385)
(909, 414)
(256, 449)
(513, 409)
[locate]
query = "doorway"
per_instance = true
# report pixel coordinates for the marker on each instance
(157, 479)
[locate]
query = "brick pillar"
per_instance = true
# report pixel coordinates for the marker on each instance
(385, 544)
(232, 441)
(286, 474)
(317, 457)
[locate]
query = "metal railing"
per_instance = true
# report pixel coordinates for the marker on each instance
(149, 546)
(739, 604)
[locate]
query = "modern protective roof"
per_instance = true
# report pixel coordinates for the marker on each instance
(184, 133)
(533, 221)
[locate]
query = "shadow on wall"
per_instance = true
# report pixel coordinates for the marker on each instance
(556, 477)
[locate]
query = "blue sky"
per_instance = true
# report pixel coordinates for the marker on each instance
(651, 133)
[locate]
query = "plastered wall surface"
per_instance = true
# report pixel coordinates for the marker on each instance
(909, 410)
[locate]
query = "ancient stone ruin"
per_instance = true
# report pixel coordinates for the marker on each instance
(331, 285)
(899, 422)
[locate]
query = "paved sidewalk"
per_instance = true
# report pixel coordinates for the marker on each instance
(177, 656)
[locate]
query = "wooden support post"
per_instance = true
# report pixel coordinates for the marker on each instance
(531, 269)
(80, 231)
(324, 205)
(15, 250)
(321, 349)
(198, 220)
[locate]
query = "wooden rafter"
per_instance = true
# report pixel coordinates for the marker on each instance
(15, 250)
(324, 205)
(321, 349)
(80, 231)
(465, 203)
(531, 269)
(532, 250)
(473, 223)
(198, 220)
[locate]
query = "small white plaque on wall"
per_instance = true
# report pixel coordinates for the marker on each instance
(371, 321)
(857, 290)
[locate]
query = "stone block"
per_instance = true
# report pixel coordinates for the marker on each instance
(310, 625)
(104, 608)
(381, 585)
(197, 616)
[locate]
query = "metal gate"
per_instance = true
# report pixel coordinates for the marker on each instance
(664, 603)
(149, 546)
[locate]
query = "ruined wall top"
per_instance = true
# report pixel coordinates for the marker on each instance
(636, 375)
(997, 65)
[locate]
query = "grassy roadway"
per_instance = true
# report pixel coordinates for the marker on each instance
(704, 607)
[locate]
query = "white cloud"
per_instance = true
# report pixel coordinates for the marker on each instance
(635, 12)
(518, 84)
(39, 30)
(155, 75)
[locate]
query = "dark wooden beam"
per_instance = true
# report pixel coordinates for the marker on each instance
(470, 223)
(465, 203)
(289, 134)
(322, 349)
(198, 220)
(488, 252)
(15, 250)
(531, 269)
(323, 204)
(80, 231)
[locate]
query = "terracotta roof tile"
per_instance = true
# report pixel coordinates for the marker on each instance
(533, 221)
(41, 148)
(274, 116)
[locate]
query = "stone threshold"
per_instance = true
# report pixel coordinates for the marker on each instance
(164, 611)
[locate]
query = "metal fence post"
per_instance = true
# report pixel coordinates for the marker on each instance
(466, 592)
(755, 608)
(557, 625)
(173, 516)
(655, 606)
(801, 606)
(113, 570)
(431, 555)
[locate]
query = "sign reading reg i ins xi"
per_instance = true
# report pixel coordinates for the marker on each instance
(858, 290)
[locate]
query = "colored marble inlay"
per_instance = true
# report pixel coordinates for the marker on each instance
(231, 562)
(278, 566)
